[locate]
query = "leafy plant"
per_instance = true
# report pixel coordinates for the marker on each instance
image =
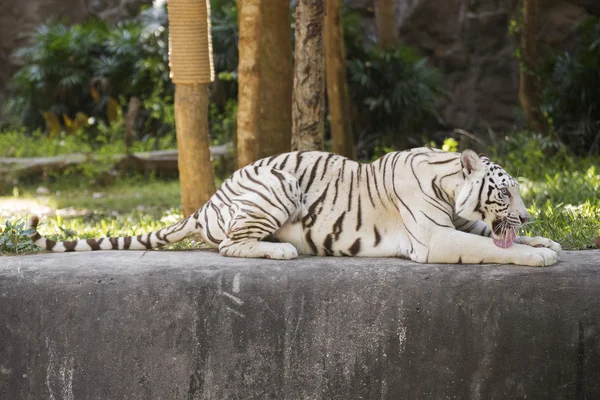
(225, 35)
(396, 94)
(14, 238)
(56, 72)
(573, 226)
(223, 122)
(560, 189)
(105, 142)
(523, 153)
(72, 72)
(17, 143)
(571, 98)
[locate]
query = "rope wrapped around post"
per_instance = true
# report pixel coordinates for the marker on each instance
(190, 44)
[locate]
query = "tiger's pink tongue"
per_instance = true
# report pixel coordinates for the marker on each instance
(506, 241)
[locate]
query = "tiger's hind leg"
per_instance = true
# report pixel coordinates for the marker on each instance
(267, 200)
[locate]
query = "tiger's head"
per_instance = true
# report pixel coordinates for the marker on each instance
(492, 195)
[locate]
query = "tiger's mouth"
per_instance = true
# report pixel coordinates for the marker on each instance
(503, 233)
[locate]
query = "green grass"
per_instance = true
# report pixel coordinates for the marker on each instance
(561, 191)
(561, 194)
(128, 207)
(106, 141)
(565, 204)
(152, 196)
(573, 226)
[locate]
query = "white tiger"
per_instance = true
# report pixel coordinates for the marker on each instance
(424, 204)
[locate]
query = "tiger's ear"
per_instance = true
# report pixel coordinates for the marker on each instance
(471, 162)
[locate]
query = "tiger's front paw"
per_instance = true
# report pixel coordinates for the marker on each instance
(538, 257)
(539, 241)
(256, 249)
(281, 251)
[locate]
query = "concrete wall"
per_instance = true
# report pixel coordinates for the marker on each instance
(193, 325)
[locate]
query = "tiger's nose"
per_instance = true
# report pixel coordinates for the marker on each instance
(523, 219)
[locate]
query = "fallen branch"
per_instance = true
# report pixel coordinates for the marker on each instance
(164, 161)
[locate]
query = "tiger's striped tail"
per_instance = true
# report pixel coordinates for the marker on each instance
(146, 241)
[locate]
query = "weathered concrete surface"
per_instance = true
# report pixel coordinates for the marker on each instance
(193, 325)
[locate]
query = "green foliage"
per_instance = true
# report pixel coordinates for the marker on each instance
(561, 190)
(105, 143)
(136, 61)
(106, 140)
(14, 238)
(156, 126)
(449, 144)
(151, 196)
(128, 207)
(56, 72)
(73, 72)
(225, 35)
(99, 224)
(17, 143)
(79, 68)
(574, 227)
(379, 150)
(571, 98)
(572, 184)
(396, 93)
(524, 152)
(222, 122)
(400, 93)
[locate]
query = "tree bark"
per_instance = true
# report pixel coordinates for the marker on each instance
(248, 122)
(529, 92)
(337, 88)
(195, 168)
(308, 111)
(385, 19)
(265, 80)
(134, 107)
(277, 73)
(190, 59)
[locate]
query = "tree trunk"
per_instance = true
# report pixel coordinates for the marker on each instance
(277, 72)
(337, 87)
(248, 122)
(190, 57)
(195, 168)
(308, 111)
(265, 80)
(385, 18)
(529, 93)
(134, 107)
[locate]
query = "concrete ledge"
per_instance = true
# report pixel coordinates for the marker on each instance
(194, 325)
